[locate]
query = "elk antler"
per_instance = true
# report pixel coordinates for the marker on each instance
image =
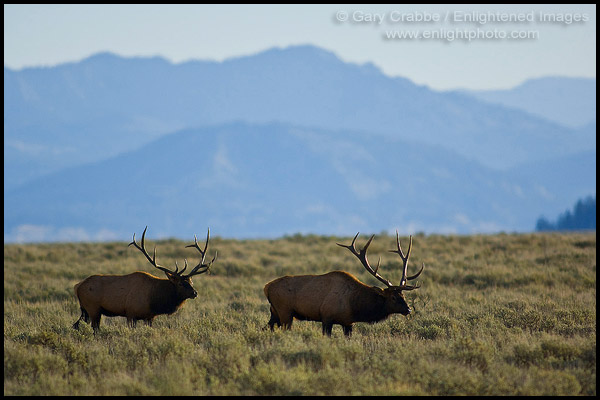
(201, 267)
(362, 256)
(152, 260)
(404, 258)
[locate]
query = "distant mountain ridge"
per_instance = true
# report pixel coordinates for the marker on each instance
(568, 101)
(284, 141)
(106, 104)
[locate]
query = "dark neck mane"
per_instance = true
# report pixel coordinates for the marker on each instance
(164, 299)
(368, 305)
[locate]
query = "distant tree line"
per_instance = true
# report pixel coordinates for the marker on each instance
(583, 217)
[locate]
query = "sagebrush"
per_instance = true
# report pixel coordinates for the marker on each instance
(506, 314)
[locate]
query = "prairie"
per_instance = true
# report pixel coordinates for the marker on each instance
(505, 314)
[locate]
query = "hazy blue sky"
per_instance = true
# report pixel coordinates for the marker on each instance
(37, 35)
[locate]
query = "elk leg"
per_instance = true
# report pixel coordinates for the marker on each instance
(274, 319)
(287, 325)
(327, 327)
(84, 315)
(96, 322)
(285, 317)
(287, 321)
(347, 330)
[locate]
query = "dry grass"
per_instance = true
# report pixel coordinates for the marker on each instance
(496, 315)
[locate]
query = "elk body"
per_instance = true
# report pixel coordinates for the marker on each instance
(338, 297)
(139, 295)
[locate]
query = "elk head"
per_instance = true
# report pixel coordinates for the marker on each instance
(395, 301)
(182, 283)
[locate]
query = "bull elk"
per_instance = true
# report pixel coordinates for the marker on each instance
(139, 295)
(338, 297)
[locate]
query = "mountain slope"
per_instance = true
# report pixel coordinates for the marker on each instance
(104, 105)
(249, 180)
(564, 179)
(567, 101)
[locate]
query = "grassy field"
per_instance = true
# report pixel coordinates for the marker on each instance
(501, 314)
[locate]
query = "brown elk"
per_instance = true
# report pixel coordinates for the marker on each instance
(338, 297)
(139, 295)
